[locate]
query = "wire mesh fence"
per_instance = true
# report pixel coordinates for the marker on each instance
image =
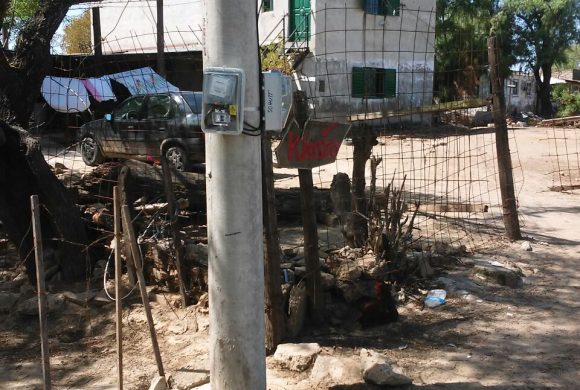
(563, 144)
(379, 69)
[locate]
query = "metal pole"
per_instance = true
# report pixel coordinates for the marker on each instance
(118, 300)
(42, 305)
(234, 210)
(160, 40)
(97, 43)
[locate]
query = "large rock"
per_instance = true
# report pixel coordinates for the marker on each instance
(349, 271)
(7, 300)
(327, 280)
(376, 369)
(187, 379)
(339, 370)
(297, 305)
(296, 357)
(55, 302)
(497, 273)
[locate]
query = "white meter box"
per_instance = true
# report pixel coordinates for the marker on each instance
(277, 100)
(223, 100)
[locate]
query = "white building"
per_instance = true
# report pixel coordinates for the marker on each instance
(355, 56)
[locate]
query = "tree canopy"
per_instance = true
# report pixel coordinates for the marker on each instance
(15, 14)
(77, 35)
(541, 32)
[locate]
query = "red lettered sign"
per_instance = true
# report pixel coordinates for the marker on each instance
(315, 145)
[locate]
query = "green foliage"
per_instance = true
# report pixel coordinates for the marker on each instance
(462, 28)
(77, 35)
(17, 14)
(569, 103)
(541, 31)
(272, 57)
(572, 58)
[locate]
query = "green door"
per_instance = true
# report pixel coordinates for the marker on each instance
(299, 20)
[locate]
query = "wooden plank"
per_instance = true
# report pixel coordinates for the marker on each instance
(41, 291)
(430, 109)
(128, 226)
(118, 297)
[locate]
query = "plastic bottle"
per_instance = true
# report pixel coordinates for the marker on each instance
(435, 298)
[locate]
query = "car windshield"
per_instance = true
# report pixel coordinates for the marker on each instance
(193, 99)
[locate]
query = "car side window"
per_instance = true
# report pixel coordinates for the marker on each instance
(130, 109)
(159, 107)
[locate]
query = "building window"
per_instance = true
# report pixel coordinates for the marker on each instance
(515, 87)
(374, 83)
(267, 5)
(382, 7)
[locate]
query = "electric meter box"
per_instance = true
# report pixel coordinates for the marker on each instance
(277, 100)
(223, 101)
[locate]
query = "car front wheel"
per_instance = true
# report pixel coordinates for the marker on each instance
(176, 156)
(91, 152)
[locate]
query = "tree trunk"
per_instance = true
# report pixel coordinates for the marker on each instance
(544, 99)
(24, 172)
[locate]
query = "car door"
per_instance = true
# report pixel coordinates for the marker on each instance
(160, 113)
(127, 125)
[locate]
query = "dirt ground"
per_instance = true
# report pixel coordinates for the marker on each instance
(495, 337)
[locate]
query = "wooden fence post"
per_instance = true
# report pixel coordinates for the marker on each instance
(41, 291)
(118, 297)
(504, 161)
(275, 321)
(170, 196)
(310, 227)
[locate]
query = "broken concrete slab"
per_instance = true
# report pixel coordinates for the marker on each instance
(377, 370)
(158, 383)
(296, 357)
(188, 378)
(349, 271)
(495, 273)
(55, 302)
(341, 370)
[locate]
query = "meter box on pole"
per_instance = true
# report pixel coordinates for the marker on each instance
(223, 100)
(277, 100)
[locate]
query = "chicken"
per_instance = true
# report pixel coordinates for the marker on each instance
(379, 310)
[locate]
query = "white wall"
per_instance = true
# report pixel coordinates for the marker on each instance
(131, 27)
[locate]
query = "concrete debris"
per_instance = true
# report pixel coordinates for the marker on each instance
(327, 281)
(336, 369)
(348, 271)
(527, 246)
(55, 302)
(187, 379)
(297, 306)
(158, 383)
(495, 273)
(296, 357)
(377, 370)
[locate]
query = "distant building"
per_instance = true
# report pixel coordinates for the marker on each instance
(570, 77)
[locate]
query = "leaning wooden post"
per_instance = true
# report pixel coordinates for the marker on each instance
(309, 221)
(504, 161)
(118, 298)
(181, 272)
(42, 305)
(275, 321)
(128, 227)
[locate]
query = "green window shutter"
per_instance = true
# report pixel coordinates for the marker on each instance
(391, 7)
(268, 5)
(358, 82)
(389, 83)
(371, 76)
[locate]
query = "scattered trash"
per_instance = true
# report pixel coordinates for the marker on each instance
(435, 298)
(402, 347)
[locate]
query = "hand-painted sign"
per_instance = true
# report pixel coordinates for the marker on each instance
(315, 145)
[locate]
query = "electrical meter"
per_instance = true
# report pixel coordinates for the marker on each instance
(223, 100)
(277, 99)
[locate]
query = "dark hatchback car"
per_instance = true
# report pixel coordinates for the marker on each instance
(144, 126)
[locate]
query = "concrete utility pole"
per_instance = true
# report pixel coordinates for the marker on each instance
(234, 210)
